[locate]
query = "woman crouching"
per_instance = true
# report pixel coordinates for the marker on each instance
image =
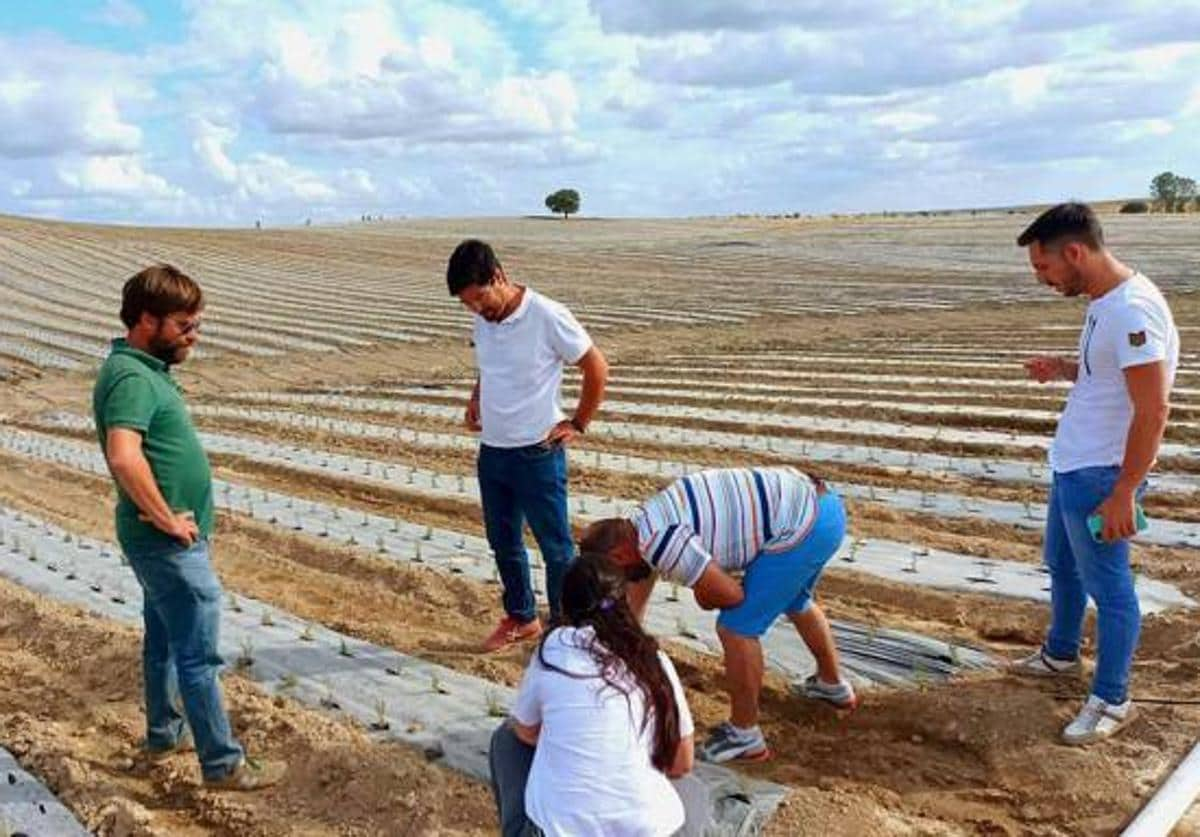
(600, 738)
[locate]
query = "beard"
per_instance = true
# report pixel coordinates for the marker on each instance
(1074, 284)
(169, 352)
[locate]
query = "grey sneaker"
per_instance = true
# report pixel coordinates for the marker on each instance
(726, 744)
(250, 774)
(1098, 719)
(184, 744)
(840, 694)
(1041, 664)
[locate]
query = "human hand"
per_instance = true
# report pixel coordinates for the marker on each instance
(1118, 515)
(1044, 368)
(562, 433)
(471, 419)
(182, 527)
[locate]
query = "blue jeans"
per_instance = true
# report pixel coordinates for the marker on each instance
(180, 661)
(1080, 567)
(519, 484)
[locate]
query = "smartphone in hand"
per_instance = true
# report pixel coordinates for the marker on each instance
(1095, 523)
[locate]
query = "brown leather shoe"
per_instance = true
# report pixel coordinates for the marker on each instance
(510, 632)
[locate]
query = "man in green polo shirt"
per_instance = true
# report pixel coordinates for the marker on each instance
(165, 523)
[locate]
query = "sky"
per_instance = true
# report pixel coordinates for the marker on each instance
(223, 112)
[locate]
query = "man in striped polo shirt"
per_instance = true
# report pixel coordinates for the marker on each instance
(777, 525)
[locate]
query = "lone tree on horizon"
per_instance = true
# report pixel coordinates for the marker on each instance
(1172, 192)
(564, 201)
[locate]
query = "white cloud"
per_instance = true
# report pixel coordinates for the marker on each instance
(905, 121)
(58, 98)
(124, 14)
(122, 176)
(284, 108)
(267, 179)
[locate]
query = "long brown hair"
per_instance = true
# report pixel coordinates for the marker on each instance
(594, 596)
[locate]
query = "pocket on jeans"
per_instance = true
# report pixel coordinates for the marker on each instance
(540, 451)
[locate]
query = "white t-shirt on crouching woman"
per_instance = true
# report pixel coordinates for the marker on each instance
(592, 772)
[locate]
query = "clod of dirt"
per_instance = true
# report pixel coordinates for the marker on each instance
(123, 818)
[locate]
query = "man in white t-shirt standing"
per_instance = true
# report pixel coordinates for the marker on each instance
(522, 339)
(1106, 443)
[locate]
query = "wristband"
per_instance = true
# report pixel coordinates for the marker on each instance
(579, 428)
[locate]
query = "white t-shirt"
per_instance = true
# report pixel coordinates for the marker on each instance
(520, 363)
(1128, 326)
(592, 772)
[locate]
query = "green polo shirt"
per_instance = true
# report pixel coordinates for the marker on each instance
(135, 390)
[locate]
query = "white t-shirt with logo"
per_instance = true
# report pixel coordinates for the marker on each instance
(520, 363)
(1129, 326)
(592, 771)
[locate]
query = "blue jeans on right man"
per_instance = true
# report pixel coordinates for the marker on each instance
(519, 484)
(1081, 567)
(180, 660)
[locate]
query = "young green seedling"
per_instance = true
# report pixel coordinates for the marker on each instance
(495, 708)
(246, 657)
(328, 699)
(381, 723)
(436, 685)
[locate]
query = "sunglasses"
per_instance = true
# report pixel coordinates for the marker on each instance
(186, 326)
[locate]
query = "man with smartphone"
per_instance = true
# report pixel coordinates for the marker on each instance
(164, 522)
(1105, 445)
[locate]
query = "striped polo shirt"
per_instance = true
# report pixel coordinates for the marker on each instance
(731, 515)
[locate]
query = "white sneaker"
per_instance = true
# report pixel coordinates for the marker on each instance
(1098, 719)
(1041, 664)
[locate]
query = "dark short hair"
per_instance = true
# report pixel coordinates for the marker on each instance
(1065, 222)
(160, 290)
(472, 263)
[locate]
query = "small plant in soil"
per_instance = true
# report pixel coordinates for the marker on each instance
(288, 681)
(381, 723)
(495, 708)
(344, 649)
(328, 699)
(436, 685)
(267, 619)
(234, 604)
(920, 675)
(246, 657)
(307, 634)
(682, 628)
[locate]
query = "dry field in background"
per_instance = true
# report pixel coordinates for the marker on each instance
(882, 352)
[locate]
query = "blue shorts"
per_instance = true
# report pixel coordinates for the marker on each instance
(782, 582)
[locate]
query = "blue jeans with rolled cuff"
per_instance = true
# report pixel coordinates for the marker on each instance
(526, 484)
(180, 661)
(1080, 568)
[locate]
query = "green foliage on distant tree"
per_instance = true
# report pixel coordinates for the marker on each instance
(563, 202)
(1173, 192)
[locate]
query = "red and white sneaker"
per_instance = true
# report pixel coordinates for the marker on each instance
(510, 632)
